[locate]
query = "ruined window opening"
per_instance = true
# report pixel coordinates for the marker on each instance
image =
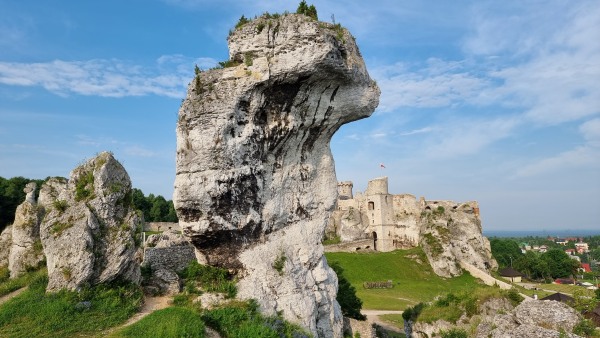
(374, 241)
(371, 205)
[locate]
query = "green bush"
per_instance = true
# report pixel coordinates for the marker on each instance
(307, 10)
(84, 187)
(60, 205)
(211, 279)
(279, 263)
(242, 21)
(346, 296)
(4, 274)
(514, 296)
(585, 327)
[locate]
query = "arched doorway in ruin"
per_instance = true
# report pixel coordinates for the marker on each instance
(374, 241)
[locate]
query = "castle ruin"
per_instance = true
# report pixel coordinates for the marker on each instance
(390, 221)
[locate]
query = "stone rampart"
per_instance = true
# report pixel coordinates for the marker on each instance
(161, 226)
(173, 258)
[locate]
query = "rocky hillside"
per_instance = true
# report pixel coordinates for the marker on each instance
(255, 181)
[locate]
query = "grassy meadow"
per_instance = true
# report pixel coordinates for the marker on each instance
(413, 279)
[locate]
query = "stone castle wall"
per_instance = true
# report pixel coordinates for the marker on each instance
(390, 221)
(174, 258)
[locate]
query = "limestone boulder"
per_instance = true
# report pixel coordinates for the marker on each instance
(26, 248)
(548, 314)
(89, 228)
(255, 181)
(5, 244)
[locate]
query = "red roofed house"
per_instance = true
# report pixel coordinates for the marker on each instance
(586, 267)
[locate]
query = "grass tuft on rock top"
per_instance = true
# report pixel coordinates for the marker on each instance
(67, 313)
(413, 279)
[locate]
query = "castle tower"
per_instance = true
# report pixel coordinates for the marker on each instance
(380, 211)
(378, 186)
(345, 190)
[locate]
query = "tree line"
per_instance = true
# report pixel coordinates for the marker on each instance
(155, 208)
(552, 264)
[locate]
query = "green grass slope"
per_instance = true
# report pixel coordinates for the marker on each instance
(414, 280)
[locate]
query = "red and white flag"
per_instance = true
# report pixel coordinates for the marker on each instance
(381, 166)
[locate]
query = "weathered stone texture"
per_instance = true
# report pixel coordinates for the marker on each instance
(548, 314)
(89, 227)
(5, 244)
(172, 258)
(498, 319)
(255, 177)
(26, 249)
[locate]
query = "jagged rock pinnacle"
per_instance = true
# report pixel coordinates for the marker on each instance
(255, 181)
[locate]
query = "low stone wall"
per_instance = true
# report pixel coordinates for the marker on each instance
(356, 246)
(161, 226)
(486, 278)
(364, 328)
(173, 258)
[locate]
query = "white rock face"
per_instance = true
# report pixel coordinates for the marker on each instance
(5, 244)
(26, 249)
(452, 234)
(255, 182)
(88, 229)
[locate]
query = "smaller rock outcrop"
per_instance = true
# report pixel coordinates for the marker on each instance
(165, 255)
(26, 248)
(89, 229)
(451, 233)
(547, 314)
(5, 244)
(497, 318)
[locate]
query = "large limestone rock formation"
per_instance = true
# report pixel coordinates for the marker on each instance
(26, 248)
(255, 181)
(88, 232)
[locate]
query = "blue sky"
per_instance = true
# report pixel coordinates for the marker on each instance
(495, 101)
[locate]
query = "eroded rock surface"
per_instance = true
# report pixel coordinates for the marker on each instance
(5, 244)
(88, 231)
(498, 319)
(255, 181)
(26, 248)
(450, 234)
